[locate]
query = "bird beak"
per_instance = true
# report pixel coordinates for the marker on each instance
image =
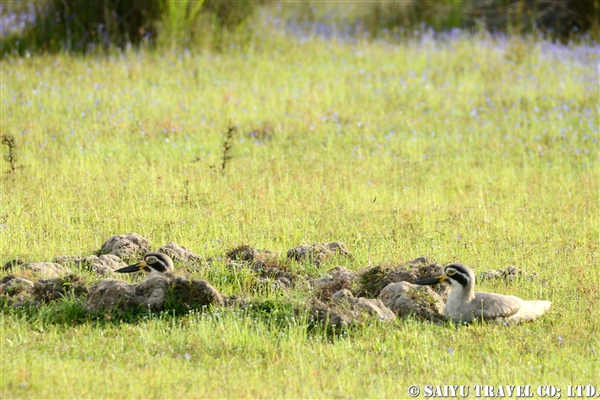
(132, 268)
(432, 281)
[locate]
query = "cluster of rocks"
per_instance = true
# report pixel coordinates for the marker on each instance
(341, 298)
(345, 297)
(21, 291)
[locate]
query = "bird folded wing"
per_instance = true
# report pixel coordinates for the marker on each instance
(492, 306)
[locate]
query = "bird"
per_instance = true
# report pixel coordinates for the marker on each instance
(465, 305)
(152, 264)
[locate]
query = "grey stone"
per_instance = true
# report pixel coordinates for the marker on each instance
(110, 294)
(337, 279)
(18, 290)
(406, 299)
(46, 269)
(332, 319)
(106, 264)
(374, 307)
(126, 247)
(46, 290)
(76, 261)
(342, 295)
(151, 293)
(180, 253)
(316, 253)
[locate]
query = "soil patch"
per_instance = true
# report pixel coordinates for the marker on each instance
(316, 253)
(126, 247)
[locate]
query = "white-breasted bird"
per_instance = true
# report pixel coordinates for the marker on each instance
(152, 264)
(465, 305)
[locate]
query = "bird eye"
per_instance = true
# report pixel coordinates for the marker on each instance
(151, 260)
(450, 271)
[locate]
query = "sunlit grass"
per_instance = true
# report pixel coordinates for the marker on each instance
(473, 149)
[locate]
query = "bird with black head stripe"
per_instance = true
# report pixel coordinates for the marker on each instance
(152, 264)
(466, 305)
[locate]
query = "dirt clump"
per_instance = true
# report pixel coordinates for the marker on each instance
(269, 270)
(509, 274)
(110, 294)
(15, 262)
(405, 299)
(273, 273)
(345, 310)
(181, 254)
(244, 254)
(337, 279)
(374, 307)
(17, 291)
(126, 247)
(152, 293)
(45, 269)
(330, 317)
(46, 290)
(374, 279)
(316, 253)
(76, 262)
(106, 264)
(195, 294)
(21, 291)
(103, 265)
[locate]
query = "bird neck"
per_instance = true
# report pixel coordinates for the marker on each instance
(462, 293)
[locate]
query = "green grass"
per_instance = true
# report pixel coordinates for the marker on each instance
(470, 151)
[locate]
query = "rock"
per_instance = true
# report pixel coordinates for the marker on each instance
(509, 274)
(196, 294)
(46, 269)
(321, 314)
(126, 247)
(246, 255)
(180, 253)
(243, 254)
(274, 273)
(22, 291)
(18, 290)
(406, 299)
(110, 294)
(342, 295)
(374, 307)
(337, 248)
(338, 278)
(76, 261)
(280, 283)
(15, 262)
(317, 252)
(346, 310)
(373, 280)
(106, 264)
(46, 290)
(153, 293)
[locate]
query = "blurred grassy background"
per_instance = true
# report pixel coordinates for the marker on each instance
(84, 26)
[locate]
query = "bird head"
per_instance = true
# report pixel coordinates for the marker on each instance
(454, 274)
(153, 263)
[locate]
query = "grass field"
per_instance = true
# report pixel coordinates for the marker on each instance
(472, 148)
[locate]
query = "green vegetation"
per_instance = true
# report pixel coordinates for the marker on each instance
(82, 26)
(469, 149)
